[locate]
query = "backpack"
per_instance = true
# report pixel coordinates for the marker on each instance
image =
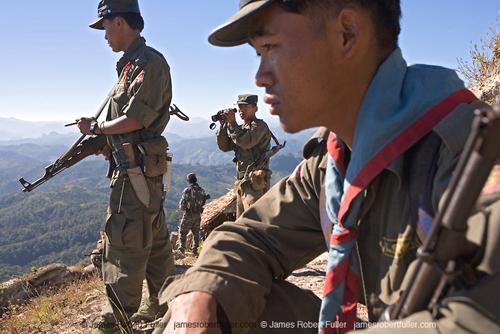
(196, 199)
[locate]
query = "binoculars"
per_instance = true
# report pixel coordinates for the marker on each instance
(219, 116)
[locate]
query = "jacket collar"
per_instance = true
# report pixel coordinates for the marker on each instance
(128, 55)
(253, 120)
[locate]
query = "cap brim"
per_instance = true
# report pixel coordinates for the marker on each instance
(97, 24)
(235, 30)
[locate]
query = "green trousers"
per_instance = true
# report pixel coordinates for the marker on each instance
(137, 247)
(190, 222)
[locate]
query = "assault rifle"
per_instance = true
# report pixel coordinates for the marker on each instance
(73, 155)
(77, 151)
(81, 149)
(264, 157)
(446, 259)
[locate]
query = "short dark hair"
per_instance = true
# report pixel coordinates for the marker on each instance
(134, 20)
(385, 14)
(193, 179)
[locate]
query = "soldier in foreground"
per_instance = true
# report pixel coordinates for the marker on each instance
(137, 240)
(337, 64)
(248, 141)
(192, 202)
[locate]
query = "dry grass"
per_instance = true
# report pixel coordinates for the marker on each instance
(73, 308)
(483, 58)
(69, 309)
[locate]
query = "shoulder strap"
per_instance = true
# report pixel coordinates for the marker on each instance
(422, 159)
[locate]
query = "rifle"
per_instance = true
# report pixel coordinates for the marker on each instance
(79, 150)
(73, 155)
(446, 259)
(264, 157)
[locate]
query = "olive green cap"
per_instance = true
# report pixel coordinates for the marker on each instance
(191, 176)
(247, 99)
(106, 7)
(235, 30)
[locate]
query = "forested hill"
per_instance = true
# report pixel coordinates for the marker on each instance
(60, 220)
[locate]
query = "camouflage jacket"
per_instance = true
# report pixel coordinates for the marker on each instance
(193, 199)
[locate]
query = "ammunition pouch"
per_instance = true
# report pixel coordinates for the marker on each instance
(260, 179)
(257, 179)
(151, 155)
(154, 156)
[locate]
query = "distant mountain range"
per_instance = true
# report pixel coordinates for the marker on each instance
(60, 221)
(191, 142)
(16, 131)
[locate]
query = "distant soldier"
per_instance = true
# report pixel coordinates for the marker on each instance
(248, 141)
(192, 202)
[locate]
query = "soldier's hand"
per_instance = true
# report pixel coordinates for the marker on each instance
(105, 151)
(230, 115)
(84, 124)
(193, 308)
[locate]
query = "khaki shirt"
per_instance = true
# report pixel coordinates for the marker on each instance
(247, 141)
(283, 231)
(143, 91)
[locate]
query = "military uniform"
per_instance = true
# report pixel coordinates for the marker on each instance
(192, 202)
(290, 227)
(137, 244)
(248, 141)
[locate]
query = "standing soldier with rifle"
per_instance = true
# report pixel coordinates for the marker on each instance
(370, 184)
(137, 239)
(248, 141)
(192, 202)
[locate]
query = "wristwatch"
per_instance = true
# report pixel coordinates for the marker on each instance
(92, 128)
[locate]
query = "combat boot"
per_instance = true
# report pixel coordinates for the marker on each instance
(149, 312)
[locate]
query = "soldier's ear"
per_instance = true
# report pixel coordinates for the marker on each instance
(352, 26)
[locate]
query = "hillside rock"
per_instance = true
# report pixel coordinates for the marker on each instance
(17, 290)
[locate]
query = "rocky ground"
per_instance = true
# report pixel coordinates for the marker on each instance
(312, 276)
(75, 308)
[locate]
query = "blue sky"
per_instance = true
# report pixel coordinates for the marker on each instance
(55, 67)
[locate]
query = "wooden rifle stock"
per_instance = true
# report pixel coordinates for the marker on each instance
(73, 155)
(435, 268)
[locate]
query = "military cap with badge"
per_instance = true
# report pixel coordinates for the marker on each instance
(107, 7)
(247, 99)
